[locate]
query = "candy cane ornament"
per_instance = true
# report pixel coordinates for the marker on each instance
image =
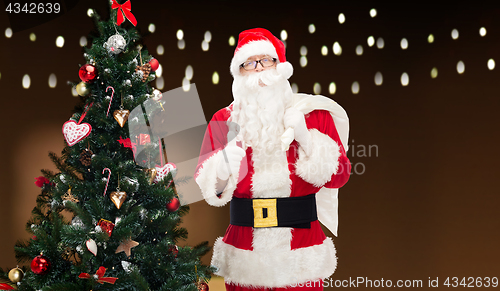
(107, 182)
(112, 93)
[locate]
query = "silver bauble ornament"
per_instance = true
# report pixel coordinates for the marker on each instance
(116, 44)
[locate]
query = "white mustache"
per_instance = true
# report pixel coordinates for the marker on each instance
(267, 77)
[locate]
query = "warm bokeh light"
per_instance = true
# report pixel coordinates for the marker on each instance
(189, 72)
(373, 12)
(355, 87)
(26, 81)
(303, 50)
(341, 18)
(160, 83)
(160, 49)
(180, 34)
(159, 71)
(303, 61)
(430, 38)
(152, 28)
(378, 79)
(181, 44)
(207, 36)
(370, 41)
(60, 41)
(380, 43)
(337, 49)
(491, 64)
(454, 33)
(8, 32)
(52, 80)
(90, 12)
(332, 88)
(215, 78)
(231, 41)
(482, 31)
(434, 73)
(204, 45)
(295, 88)
(32, 36)
(404, 43)
(283, 35)
(324, 50)
(311, 28)
(83, 41)
(359, 50)
(460, 67)
(317, 88)
(186, 86)
(405, 79)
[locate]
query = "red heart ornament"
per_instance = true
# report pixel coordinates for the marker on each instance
(162, 172)
(73, 132)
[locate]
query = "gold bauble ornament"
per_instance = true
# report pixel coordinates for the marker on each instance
(82, 89)
(121, 116)
(118, 197)
(16, 275)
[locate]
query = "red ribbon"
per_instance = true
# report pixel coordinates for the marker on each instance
(125, 9)
(100, 279)
(4, 286)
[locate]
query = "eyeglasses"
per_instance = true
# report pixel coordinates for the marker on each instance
(252, 65)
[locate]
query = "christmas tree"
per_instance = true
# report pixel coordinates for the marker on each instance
(107, 220)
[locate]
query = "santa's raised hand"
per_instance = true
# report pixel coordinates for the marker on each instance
(296, 120)
(233, 154)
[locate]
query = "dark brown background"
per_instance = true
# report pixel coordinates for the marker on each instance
(427, 202)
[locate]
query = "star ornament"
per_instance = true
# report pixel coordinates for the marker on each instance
(126, 246)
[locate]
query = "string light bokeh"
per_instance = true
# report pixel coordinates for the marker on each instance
(419, 83)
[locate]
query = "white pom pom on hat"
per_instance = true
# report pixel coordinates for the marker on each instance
(260, 41)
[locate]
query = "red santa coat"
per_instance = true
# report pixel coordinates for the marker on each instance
(275, 256)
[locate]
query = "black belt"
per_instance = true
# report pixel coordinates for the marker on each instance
(296, 212)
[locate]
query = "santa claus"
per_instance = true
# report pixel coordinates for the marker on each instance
(279, 158)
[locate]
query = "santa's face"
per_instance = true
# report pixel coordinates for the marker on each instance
(256, 64)
(260, 101)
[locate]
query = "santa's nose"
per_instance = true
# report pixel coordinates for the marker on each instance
(259, 67)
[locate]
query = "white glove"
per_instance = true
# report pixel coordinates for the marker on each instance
(233, 155)
(295, 119)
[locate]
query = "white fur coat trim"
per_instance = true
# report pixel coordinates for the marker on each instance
(273, 267)
(207, 180)
(322, 163)
(271, 178)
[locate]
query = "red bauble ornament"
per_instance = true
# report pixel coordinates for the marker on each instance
(40, 265)
(174, 250)
(154, 64)
(87, 73)
(106, 226)
(173, 205)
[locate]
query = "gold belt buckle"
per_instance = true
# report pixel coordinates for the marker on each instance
(264, 205)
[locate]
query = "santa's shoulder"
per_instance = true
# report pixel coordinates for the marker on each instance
(307, 103)
(223, 114)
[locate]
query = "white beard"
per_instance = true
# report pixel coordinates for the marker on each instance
(260, 101)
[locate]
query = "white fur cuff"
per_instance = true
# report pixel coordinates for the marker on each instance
(274, 267)
(207, 180)
(318, 167)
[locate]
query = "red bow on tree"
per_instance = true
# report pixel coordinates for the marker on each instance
(123, 9)
(4, 286)
(100, 278)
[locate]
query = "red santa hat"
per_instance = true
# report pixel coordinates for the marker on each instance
(259, 41)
